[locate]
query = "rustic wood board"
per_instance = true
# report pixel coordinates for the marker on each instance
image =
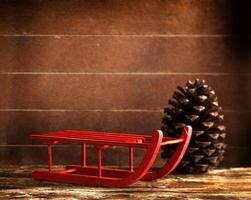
(233, 183)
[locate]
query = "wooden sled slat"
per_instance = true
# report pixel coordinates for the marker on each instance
(82, 135)
(109, 177)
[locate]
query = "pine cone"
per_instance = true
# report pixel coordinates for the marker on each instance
(196, 105)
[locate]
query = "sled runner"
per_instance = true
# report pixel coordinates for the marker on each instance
(111, 177)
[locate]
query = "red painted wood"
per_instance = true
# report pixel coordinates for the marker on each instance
(50, 157)
(106, 172)
(107, 134)
(96, 139)
(83, 155)
(175, 159)
(131, 162)
(101, 176)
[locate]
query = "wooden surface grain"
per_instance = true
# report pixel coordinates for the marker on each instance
(114, 91)
(123, 53)
(113, 65)
(233, 183)
(115, 17)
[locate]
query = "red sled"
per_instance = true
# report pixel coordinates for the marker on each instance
(112, 177)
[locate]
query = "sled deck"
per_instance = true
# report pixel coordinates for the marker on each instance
(111, 177)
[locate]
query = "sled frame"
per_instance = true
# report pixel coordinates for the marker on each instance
(112, 177)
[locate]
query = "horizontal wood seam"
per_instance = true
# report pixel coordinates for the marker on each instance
(120, 35)
(129, 73)
(98, 110)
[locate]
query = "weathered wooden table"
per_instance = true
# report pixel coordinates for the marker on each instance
(235, 183)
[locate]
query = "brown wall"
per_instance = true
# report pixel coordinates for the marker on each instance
(113, 65)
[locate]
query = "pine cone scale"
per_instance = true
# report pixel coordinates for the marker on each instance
(197, 105)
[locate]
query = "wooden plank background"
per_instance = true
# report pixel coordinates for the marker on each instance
(113, 66)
